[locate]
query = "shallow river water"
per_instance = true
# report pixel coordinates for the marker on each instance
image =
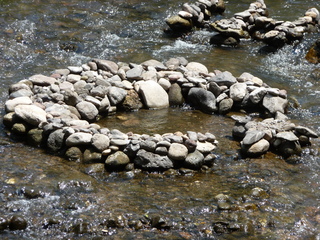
(59, 200)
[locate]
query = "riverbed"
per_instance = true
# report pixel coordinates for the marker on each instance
(59, 199)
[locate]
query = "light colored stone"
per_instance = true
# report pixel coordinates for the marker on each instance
(154, 96)
(177, 151)
(12, 103)
(31, 114)
(42, 80)
(100, 141)
(87, 110)
(78, 138)
(238, 91)
(205, 147)
(197, 67)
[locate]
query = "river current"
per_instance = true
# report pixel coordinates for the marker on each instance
(60, 200)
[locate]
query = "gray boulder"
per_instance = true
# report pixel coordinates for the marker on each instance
(150, 161)
(107, 65)
(116, 95)
(194, 160)
(202, 99)
(238, 91)
(117, 161)
(274, 104)
(224, 78)
(87, 111)
(56, 140)
(100, 141)
(78, 139)
(12, 103)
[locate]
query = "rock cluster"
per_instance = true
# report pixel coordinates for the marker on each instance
(255, 23)
(194, 15)
(277, 134)
(252, 23)
(58, 112)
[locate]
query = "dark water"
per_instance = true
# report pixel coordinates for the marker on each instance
(34, 37)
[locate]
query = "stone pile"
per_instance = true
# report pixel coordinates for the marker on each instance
(255, 23)
(252, 23)
(195, 15)
(58, 112)
(276, 134)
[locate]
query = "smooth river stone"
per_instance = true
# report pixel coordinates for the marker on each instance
(12, 103)
(31, 114)
(78, 138)
(42, 80)
(154, 95)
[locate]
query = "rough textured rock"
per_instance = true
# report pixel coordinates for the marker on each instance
(194, 160)
(116, 95)
(56, 140)
(150, 161)
(274, 104)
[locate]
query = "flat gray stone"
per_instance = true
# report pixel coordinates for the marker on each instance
(78, 138)
(274, 104)
(289, 136)
(107, 65)
(42, 80)
(150, 161)
(306, 131)
(252, 137)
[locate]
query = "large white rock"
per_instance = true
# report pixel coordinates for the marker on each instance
(12, 103)
(31, 114)
(154, 96)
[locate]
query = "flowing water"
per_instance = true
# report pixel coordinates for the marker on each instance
(58, 199)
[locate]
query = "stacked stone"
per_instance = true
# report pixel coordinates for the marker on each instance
(255, 23)
(58, 112)
(277, 134)
(195, 15)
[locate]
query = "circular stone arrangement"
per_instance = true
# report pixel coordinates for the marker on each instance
(58, 112)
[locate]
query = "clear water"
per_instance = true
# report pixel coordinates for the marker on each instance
(32, 36)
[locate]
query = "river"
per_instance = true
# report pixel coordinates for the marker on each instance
(59, 200)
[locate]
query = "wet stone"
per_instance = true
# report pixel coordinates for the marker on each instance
(194, 160)
(117, 161)
(177, 151)
(17, 223)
